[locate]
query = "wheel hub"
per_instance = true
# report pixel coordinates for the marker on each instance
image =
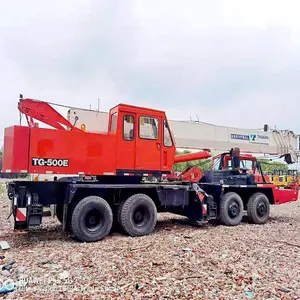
(141, 216)
(234, 210)
(138, 216)
(93, 220)
(261, 209)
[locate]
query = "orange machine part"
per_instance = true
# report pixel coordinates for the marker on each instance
(191, 156)
(193, 174)
(71, 152)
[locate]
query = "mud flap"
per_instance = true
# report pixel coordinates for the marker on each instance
(30, 214)
(19, 217)
(200, 208)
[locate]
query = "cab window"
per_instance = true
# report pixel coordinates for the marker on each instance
(128, 128)
(148, 128)
(246, 164)
(113, 126)
(215, 165)
(167, 135)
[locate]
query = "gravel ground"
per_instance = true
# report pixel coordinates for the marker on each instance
(178, 261)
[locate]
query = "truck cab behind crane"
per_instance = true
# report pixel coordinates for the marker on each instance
(246, 165)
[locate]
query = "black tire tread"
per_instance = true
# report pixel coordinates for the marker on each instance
(75, 215)
(223, 218)
(122, 216)
(251, 211)
(119, 215)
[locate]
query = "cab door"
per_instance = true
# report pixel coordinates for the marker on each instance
(148, 143)
(126, 142)
(168, 148)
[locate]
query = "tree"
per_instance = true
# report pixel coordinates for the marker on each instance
(270, 166)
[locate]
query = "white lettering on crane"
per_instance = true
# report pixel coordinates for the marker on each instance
(50, 162)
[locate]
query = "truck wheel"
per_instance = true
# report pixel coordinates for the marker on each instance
(137, 215)
(92, 219)
(231, 209)
(258, 208)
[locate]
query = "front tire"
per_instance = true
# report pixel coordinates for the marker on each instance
(92, 219)
(258, 208)
(231, 209)
(137, 215)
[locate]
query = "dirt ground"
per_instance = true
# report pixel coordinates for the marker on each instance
(177, 261)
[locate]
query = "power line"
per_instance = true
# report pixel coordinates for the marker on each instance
(58, 104)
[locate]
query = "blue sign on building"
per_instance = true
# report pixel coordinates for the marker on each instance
(235, 136)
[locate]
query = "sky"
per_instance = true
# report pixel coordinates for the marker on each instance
(233, 63)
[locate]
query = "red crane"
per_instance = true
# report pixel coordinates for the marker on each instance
(139, 144)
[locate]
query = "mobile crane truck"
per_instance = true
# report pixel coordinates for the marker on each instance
(113, 168)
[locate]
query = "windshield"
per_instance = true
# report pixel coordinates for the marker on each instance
(244, 164)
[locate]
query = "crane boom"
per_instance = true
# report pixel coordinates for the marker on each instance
(192, 135)
(43, 112)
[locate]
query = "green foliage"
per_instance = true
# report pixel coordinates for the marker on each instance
(2, 188)
(270, 166)
(204, 164)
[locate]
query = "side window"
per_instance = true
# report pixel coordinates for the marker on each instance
(128, 128)
(113, 126)
(167, 136)
(246, 164)
(148, 128)
(215, 164)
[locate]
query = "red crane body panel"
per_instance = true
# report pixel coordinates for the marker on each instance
(41, 150)
(16, 149)
(138, 139)
(282, 196)
(68, 152)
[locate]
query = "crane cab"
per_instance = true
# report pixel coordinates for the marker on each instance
(144, 141)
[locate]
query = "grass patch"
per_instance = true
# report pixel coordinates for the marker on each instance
(2, 188)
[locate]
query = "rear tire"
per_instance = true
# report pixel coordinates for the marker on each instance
(231, 209)
(258, 208)
(92, 219)
(137, 215)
